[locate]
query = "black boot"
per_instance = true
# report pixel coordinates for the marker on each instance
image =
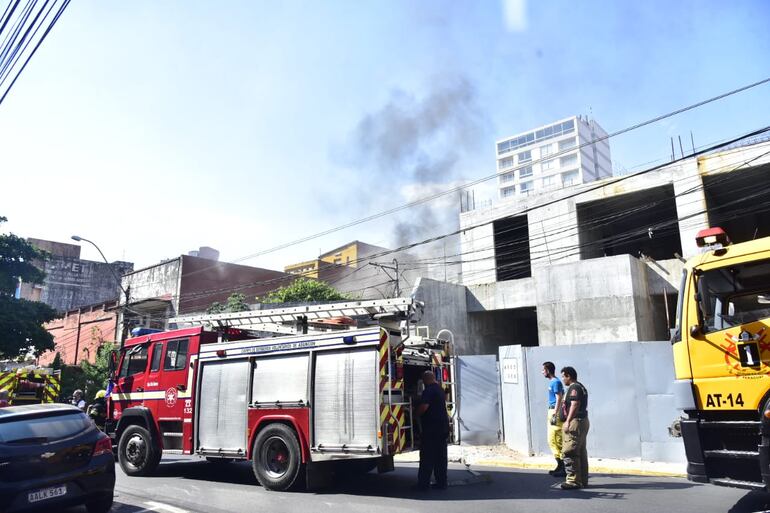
(559, 470)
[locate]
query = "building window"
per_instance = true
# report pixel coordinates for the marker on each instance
(508, 191)
(546, 133)
(569, 178)
(545, 150)
(568, 160)
(548, 164)
(505, 163)
(507, 177)
(567, 144)
(548, 181)
(525, 172)
(526, 187)
(525, 156)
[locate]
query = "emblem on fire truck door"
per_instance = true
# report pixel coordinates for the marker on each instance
(171, 394)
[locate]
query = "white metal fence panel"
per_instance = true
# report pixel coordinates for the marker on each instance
(479, 399)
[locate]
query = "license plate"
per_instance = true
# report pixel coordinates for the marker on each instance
(46, 493)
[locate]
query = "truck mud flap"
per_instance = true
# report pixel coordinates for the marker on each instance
(318, 475)
(764, 460)
(385, 464)
(696, 465)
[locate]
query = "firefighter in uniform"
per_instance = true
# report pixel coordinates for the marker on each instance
(554, 423)
(435, 432)
(575, 431)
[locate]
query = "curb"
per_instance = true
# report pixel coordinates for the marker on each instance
(597, 469)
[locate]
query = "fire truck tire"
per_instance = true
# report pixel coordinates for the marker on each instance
(276, 458)
(137, 453)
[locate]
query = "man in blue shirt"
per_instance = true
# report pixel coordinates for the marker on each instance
(555, 397)
(435, 432)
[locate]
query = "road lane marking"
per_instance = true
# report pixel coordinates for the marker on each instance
(159, 506)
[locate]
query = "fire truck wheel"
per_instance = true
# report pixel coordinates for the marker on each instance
(276, 457)
(137, 454)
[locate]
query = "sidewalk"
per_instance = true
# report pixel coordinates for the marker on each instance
(502, 456)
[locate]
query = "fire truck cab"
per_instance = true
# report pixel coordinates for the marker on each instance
(297, 406)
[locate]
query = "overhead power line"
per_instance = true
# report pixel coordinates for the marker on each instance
(22, 31)
(459, 188)
(515, 250)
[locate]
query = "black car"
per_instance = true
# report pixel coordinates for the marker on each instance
(52, 456)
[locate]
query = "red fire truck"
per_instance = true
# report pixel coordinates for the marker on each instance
(335, 397)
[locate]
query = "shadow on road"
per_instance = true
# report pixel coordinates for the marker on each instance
(117, 507)
(752, 502)
(505, 484)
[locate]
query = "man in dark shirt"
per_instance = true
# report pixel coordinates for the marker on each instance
(435, 431)
(575, 431)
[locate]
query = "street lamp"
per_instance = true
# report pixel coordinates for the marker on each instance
(120, 284)
(79, 239)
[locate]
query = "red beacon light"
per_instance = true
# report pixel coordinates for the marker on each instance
(712, 238)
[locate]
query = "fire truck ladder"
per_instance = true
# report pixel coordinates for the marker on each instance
(299, 319)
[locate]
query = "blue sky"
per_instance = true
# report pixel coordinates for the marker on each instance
(155, 127)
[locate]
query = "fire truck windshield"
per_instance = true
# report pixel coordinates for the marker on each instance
(733, 295)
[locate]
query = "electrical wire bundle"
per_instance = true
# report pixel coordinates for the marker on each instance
(23, 28)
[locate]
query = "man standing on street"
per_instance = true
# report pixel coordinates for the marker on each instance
(575, 431)
(435, 432)
(553, 422)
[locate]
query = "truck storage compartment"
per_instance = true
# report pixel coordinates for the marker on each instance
(280, 381)
(346, 402)
(222, 413)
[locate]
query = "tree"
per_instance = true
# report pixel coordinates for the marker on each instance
(235, 303)
(303, 290)
(96, 374)
(21, 321)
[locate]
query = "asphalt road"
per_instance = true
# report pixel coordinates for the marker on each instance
(191, 485)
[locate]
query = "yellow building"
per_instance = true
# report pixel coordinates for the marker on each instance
(307, 269)
(347, 255)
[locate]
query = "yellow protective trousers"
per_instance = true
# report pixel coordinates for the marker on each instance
(554, 434)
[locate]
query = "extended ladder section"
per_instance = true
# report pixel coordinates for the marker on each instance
(304, 319)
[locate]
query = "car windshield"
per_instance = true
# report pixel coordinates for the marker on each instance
(734, 295)
(43, 429)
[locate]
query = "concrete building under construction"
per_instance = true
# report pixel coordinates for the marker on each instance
(600, 262)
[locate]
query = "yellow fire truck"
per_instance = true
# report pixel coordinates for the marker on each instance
(26, 386)
(721, 346)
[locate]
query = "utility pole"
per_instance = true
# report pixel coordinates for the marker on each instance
(394, 269)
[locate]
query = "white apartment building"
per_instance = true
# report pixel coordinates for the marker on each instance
(553, 156)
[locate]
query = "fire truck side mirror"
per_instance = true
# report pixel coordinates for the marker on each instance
(695, 331)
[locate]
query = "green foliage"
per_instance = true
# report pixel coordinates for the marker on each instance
(56, 363)
(235, 303)
(304, 290)
(21, 321)
(21, 326)
(96, 374)
(72, 378)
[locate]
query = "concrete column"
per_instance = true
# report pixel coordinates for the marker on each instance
(690, 204)
(553, 234)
